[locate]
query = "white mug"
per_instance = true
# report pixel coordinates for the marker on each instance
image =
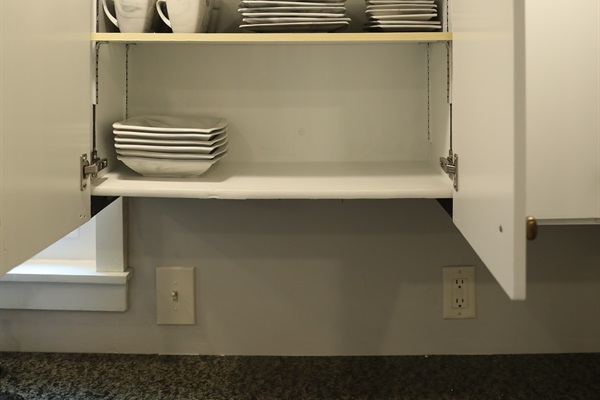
(186, 16)
(133, 16)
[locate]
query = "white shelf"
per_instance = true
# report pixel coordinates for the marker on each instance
(343, 37)
(231, 180)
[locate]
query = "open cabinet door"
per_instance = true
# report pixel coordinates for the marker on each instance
(45, 106)
(488, 112)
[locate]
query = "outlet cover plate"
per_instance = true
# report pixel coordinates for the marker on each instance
(463, 293)
(175, 296)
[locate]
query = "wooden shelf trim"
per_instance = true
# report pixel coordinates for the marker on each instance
(344, 37)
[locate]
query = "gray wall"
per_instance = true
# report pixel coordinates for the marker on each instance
(327, 278)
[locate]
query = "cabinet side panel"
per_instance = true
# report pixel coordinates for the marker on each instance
(45, 124)
(111, 99)
(488, 135)
(439, 103)
(563, 111)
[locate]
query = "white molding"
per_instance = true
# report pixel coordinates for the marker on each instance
(69, 286)
(63, 271)
(111, 245)
(97, 283)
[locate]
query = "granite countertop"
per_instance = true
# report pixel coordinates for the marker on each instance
(114, 376)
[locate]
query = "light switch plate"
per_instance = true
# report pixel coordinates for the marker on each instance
(175, 296)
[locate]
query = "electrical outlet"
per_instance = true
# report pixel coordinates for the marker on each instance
(459, 292)
(175, 297)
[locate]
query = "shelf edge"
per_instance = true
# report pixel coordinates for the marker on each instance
(345, 37)
(125, 183)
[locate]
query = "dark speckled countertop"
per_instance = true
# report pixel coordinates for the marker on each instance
(113, 376)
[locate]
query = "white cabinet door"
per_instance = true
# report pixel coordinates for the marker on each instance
(563, 111)
(489, 134)
(45, 123)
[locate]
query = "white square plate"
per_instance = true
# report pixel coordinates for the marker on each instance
(431, 7)
(296, 27)
(399, 11)
(171, 141)
(267, 3)
(377, 27)
(409, 2)
(159, 168)
(164, 123)
(414, 17)
(171, 149)
(292, 15)
(173, 156)
(295, 9)
(167, 135)
(407, 23)
(283, 20)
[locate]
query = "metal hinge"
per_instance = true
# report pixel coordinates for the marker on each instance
(450, 166)
(88, 168)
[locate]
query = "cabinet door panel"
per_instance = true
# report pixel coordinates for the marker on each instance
(45, 123)
(563, 110)
(488, 134)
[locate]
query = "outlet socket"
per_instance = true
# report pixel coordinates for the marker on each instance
(175, 296)
(459, 292)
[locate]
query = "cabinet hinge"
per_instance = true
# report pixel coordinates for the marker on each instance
(92, 168)
(450, 166)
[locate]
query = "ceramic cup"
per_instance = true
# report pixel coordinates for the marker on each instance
(134, 16)
(186, 16)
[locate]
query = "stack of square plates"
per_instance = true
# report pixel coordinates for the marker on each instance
(402, 16)
(293, 16)
(167, 146)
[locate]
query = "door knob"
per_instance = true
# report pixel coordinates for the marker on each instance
(532, 228)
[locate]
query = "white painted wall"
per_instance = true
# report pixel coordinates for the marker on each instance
(327, 278)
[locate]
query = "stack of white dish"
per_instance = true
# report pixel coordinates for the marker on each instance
(402, 16)
(167, 146)
(293, 16)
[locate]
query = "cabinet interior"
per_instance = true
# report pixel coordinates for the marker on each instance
(226, 18)
(306, 119)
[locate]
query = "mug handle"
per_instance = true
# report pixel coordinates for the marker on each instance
(160, 12)
(109, 15)
(207, 16)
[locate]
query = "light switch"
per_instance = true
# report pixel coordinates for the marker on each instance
(175, 296)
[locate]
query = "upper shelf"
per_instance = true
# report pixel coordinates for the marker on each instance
(358, 37)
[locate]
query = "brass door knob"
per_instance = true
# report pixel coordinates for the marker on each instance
(532, 228)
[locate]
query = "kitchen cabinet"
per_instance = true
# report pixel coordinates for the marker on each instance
(312, 116)
(563, 112)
